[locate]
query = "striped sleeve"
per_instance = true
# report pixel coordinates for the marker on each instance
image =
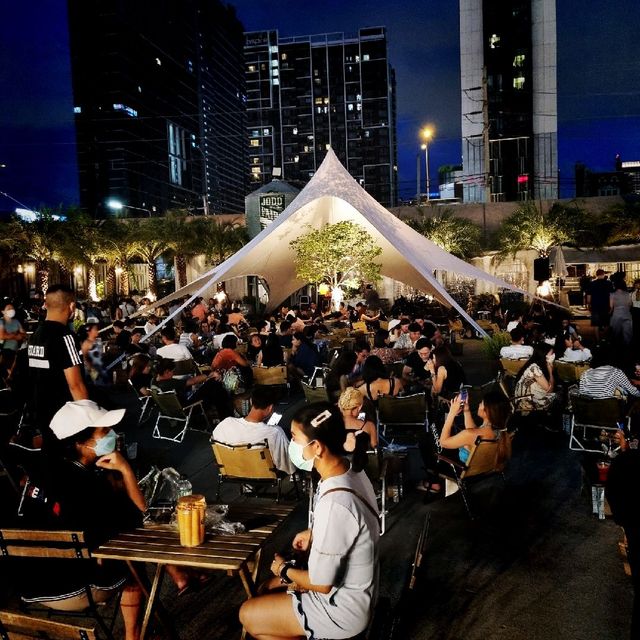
(71, 352)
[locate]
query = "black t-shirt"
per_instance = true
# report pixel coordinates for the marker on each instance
(173, 384)
(454, 380)
(70, 496)
(52, 348)
(600, 290)
(416, 364)
(141, 381)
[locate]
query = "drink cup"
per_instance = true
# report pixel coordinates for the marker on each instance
(190, 516)
(603, 471)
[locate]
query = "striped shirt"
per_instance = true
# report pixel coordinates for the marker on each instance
(603, 382)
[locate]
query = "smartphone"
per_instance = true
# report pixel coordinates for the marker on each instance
(274, 419)
(464, 395)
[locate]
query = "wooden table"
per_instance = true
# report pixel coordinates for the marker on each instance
(160, 545)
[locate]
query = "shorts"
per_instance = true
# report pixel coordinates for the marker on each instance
(599, 317)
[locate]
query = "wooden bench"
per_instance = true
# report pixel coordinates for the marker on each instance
(38, 543)
(19, 626)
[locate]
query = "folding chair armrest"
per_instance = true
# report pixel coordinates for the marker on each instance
(451, 461)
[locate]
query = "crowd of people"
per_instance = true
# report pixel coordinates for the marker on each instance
(60, 361)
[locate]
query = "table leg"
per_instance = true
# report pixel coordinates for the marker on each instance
(155, 587)
(247, 581)
(254, 565)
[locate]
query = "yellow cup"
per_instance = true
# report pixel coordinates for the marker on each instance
(190, 515)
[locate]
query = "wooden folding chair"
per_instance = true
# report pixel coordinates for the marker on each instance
(512, 367)
(270, 375)
(247, 463)
(172, 413)
(185, 368)
(484, 460)
(36, 543)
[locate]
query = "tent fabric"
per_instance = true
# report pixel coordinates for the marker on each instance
(332, 196)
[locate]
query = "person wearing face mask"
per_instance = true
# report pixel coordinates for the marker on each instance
(88, 486)
(534, 390)
(335, 596)
(55, 362)
(11, 335)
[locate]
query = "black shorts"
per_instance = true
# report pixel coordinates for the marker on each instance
(599, 317)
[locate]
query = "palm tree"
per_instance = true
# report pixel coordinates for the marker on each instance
(529, 228)
(455, 235)
(37, 241)
(623, 222)
(118, 247)
(151, 239)
(221, 239)
(187, 238)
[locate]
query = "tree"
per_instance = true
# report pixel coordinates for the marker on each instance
(341, 254)
(38, 241)
(187, 240)
(529, 228)
(458, 236)
(219, 240)
(623, 223)
(150, 241)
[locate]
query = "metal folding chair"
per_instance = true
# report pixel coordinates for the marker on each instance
(174, 415)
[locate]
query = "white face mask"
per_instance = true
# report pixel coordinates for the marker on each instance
(10, 313)
(551, 358)
(295, 453)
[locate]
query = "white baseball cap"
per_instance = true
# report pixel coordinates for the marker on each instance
(393, 324)
(76, 416)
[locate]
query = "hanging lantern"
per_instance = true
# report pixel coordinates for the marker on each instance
(323, 289)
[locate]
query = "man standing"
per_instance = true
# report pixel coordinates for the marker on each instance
(598, 302)
(55, 363)
(254, 429)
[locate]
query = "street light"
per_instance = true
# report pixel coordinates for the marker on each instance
(116, 205)
(427, 135)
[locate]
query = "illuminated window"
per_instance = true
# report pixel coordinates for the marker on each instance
(283, 56)
(349, 107)
(159, 62)
(274, 63)
(255, 171)
(326, 100)
(266, 132)
(518, 82)
(255, 143)
(273, 49)
(365, 57)
(177, 153)
(251, 68)
(256, 160)
(276, 81)
(518, 61)
(77, 109)
(318, 100)
(128, 110)
(295, 131)
(296, 158)
(494, 41)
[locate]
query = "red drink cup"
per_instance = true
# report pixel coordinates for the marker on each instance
(603, 471)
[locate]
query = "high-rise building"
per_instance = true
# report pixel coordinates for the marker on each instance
(159, 102)
(306, 94)
(509, 100)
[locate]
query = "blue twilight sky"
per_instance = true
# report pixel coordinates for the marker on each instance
(598, 83)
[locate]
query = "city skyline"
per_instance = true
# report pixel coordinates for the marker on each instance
(598, 85)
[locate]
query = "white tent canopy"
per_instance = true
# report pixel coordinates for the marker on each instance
(332, 196)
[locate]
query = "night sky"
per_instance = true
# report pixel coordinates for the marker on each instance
(598, 83)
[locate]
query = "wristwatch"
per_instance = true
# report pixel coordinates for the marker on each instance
(284, 572)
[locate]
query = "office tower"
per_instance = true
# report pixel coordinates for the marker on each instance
(307, 93)
(509, 100)
(159, 104)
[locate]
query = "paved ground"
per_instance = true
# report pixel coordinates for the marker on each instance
(535, 565)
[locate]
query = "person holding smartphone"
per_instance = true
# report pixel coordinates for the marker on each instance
(494, 410)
